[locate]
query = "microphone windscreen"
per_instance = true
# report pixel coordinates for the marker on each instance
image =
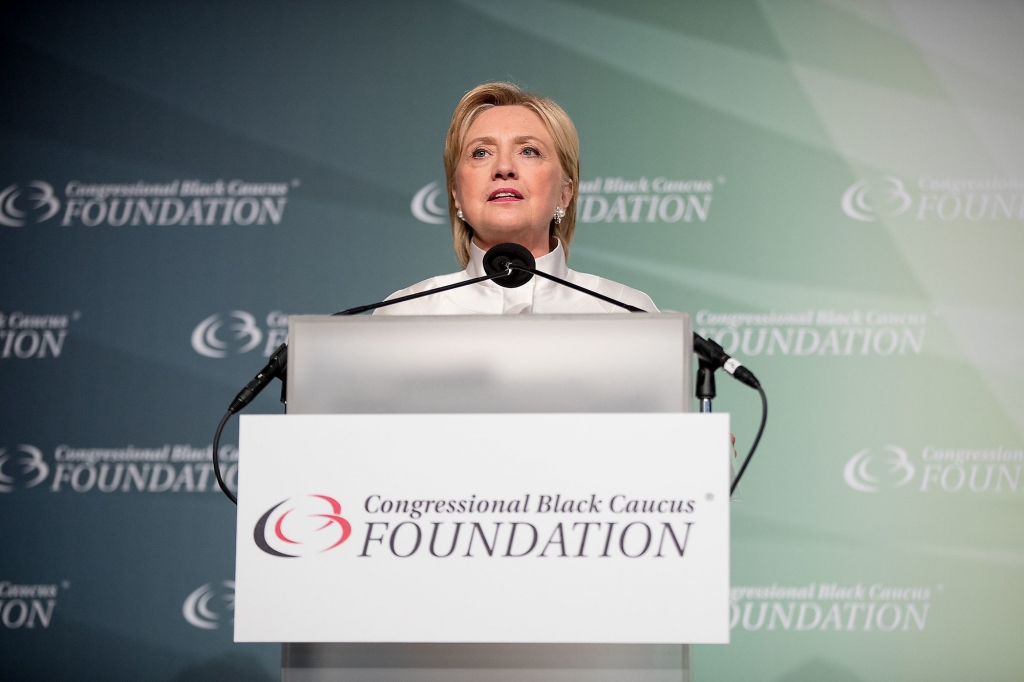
(497, 259)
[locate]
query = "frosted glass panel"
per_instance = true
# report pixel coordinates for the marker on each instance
(467, 364)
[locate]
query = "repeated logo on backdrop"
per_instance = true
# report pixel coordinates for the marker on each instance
(429, 204)
(244, 331)
(237, 332)
(177, 468)
(894, 466)
(815, 332)
(820, 607)
(645, 200)
(28, 605)
(22, 466)
(34, 202)
(177, 202)
(209, 606)
(949, 199)
(940, 469)
(26, 336)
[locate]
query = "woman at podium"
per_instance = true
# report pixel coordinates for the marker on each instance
(512, 166)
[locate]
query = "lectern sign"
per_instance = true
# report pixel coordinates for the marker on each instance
(483, 528)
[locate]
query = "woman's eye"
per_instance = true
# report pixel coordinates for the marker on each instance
(530, 151)
(479, 153)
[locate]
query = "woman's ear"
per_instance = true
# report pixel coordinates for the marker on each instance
(566, 193)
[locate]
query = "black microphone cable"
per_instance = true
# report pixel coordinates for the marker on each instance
(216, 458)
(757, 439)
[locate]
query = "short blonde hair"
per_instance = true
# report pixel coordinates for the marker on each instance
(558, 123)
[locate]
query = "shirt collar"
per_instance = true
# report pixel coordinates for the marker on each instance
(552, 263)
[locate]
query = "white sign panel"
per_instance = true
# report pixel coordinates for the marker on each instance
(483, 528)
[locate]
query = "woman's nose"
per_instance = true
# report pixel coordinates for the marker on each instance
(504, 167)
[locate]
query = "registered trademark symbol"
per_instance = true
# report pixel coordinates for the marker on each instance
(295, 182)
(721, 180)
(65, 585)
(76, 315)
(709, 497)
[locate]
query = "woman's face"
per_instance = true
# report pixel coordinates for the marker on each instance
(508, 181)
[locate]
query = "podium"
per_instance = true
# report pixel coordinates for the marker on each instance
(485, 498)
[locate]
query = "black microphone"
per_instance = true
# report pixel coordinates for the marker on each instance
(712, 353)
(513, 262)
(275, 367)
(505, 259)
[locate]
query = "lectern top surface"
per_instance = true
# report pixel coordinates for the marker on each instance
(483, 363)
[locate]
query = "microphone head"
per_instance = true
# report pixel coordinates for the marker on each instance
(709, 351)
(497, 259)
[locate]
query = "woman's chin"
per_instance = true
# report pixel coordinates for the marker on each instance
(510, 223)
(497, 234)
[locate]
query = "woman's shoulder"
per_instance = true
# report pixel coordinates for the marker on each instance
(419, 306)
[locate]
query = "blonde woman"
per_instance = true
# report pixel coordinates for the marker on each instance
(512, 165)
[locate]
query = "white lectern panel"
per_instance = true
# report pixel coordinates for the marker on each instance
(483, 528)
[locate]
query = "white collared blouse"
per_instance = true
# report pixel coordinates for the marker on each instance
(538, 296)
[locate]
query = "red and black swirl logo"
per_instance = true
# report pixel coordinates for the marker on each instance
(296, 527)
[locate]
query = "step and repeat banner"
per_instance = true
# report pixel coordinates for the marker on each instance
(833, 189)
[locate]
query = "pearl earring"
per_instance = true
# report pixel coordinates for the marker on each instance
(459, 213)
(559, 214)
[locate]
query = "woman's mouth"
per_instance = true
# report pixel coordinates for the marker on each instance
(505, 194)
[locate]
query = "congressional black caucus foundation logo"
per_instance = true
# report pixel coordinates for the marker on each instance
(429, 204)
(934, 199)
(866, 470)
(34, 202)
(311, 524)
(936, 469)
(33, 335)
(181, 468)
(236, 332)
(888, 195)
(539, 526)
(28, 605)
(142, 203)
(241, 326)
(861, 607)
(816, 332)
(210, 605)
(22, 466)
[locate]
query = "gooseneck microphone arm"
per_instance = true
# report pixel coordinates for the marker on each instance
(606, 299)
(510, 266)
(402, 299)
